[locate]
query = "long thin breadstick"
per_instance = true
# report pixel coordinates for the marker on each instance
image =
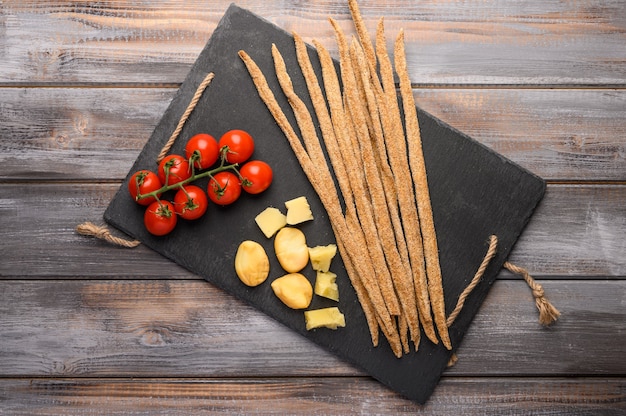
(395, 139)
(361, 30)
(401, 272)
(366, 303)
(418, 166)
(330, 201)
(373, 207)
(343, 134)
(325, 121)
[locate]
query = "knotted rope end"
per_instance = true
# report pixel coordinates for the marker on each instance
(90, 229)
(548, 314)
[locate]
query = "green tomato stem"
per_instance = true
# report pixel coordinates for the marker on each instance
(195, 176)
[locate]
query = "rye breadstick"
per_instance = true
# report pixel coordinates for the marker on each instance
(401, 272)
(396, 145)
(418, 167)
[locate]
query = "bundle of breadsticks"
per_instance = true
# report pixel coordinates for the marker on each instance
(385, 231)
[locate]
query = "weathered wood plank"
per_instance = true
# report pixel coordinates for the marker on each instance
(192, 329)
(460, 42)
(98, 132)
(577, 231)
(311, 396)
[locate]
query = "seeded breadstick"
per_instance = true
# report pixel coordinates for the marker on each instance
(373, 180)
(303, 117)
(395, 139)
(356, 174)
(326, 125)
(401, 272)
(359, 288)
(418, 166)
(361, 30)
(340, 125)
(331, 203)
(376, 113)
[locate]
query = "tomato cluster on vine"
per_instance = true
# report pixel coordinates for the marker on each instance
(220, 161)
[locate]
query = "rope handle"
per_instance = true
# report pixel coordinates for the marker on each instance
(192, 104)
(101, 232)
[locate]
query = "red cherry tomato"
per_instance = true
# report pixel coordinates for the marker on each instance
(190, 203)
(202, 150)
(160, 218)
(257, 176)
(224, 188)
(143, 182)
(240, 146)
(174, 169)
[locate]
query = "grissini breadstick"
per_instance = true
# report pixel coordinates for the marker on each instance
(361, 30)
(325, 121)
(343, 135)
(418, 166)
(401, 272)
(373, 181)
(396, 145)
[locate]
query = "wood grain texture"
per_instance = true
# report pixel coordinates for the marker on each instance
(191, 329)
(114, 331)
(460, 42)
(311, 396)
(559, 135)
(577, 232)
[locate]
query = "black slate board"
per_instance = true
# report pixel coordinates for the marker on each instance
(475, 193)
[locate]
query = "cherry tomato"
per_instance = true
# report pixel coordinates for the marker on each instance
(257, 176)
(224, 188)
(190, 203)
(143, 182)
(202, 150)
(240, 146)
(160, 218)
(174, 169)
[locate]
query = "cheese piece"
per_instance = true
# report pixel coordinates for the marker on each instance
(294, 290)
(251, 263)
(270, 221)
(321, 256)
(291, 249)
(298, 211)
(326, 286)
(327, 317)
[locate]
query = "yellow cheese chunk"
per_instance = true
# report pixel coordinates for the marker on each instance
(251, 263)
(321, 256)
(270, 221)
(291, 249)
(327, 317)
(294, 290)
(298, 211)
(326, 286)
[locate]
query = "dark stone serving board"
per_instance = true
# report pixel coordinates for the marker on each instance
(475, 193)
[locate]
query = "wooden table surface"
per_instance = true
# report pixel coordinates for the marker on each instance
(88, 328)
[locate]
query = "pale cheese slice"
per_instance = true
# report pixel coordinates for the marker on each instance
(326, 286)
(298, 211)
(321, 256)
(327, 317)
(270, 221)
